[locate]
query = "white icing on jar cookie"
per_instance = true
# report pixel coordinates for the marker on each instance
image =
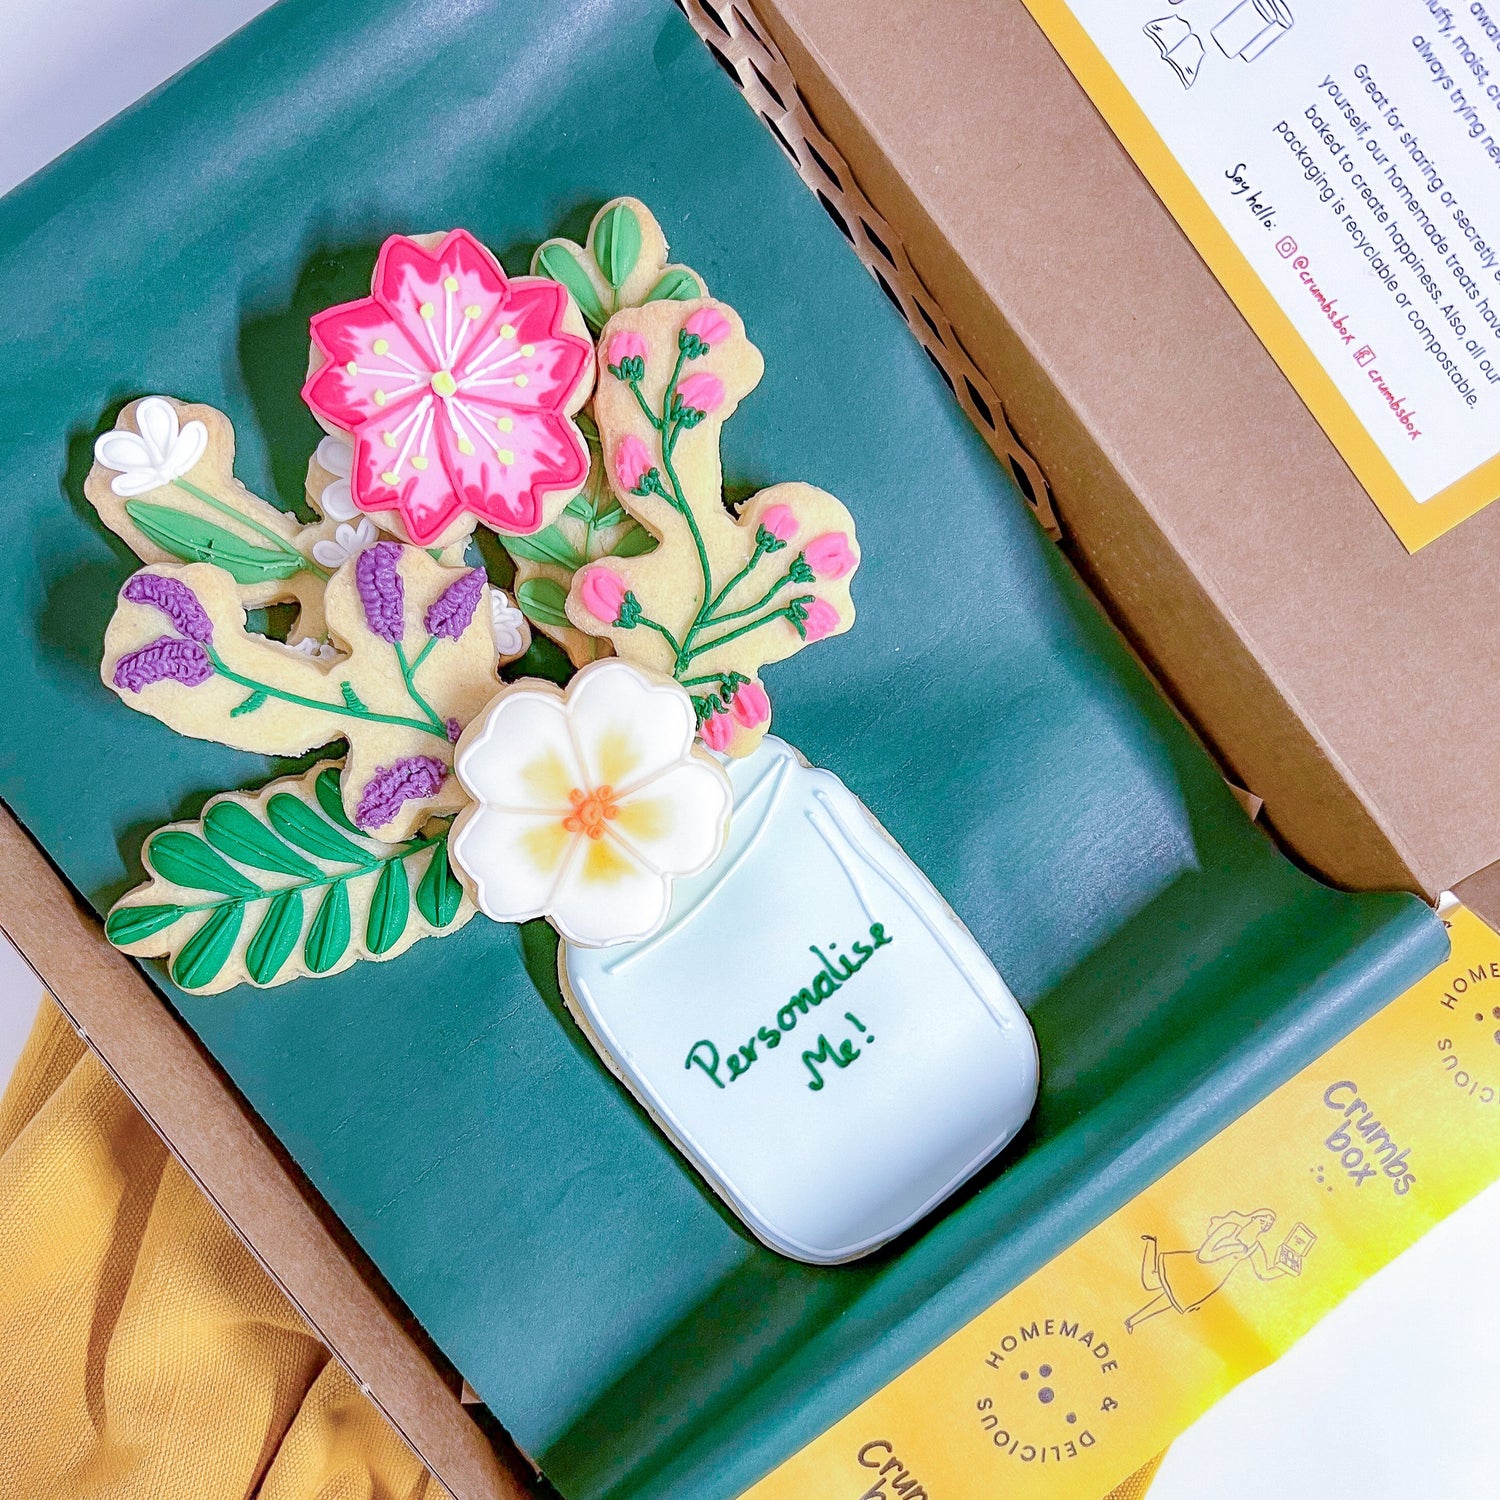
(813, 1026)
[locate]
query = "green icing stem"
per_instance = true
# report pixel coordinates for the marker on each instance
(723, 640)
(281, 544)
(437, 729)
(408, 675)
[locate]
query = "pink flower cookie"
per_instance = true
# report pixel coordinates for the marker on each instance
(458, 387)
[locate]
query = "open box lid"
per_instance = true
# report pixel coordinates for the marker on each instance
(627, 1331)
(1350, 685)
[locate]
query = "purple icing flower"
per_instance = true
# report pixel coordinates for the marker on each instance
(414, 779)
(454, 729)
(175, 600)
(450, 613)
(164, 660)
(381, 590)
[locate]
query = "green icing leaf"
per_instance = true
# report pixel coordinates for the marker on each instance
(195, 540)
(130, 924)
(675, 286)
(388, 908)
(579, 508)
(439, 893)
(248, 705)
(328, 936)
(294, 819)
(351, 698)
(617, 244)
(208, 950)
(548, 545)
(557, 262)
(542, 599)
(234, 830)
(612, 517)
(275, 937)
(184, 859)
(330, 799)
(634, 543)
(588, 427)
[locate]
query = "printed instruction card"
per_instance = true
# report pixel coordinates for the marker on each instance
(1337, 164)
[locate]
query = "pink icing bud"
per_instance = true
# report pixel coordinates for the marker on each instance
(822, 619)
(602, 592)
(750, 705)
(781, 522)
(702, 392)
(632, 462)
(709, 325)
(625, 345)
(829, 555)
(716, 731)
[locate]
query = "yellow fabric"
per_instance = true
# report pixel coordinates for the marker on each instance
(144, 1355)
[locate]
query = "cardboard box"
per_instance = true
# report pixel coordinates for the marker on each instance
(189, 1101)
(1340, 679)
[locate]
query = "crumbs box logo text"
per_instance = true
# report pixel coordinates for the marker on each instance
(1362, 1145)
(1049, 1388)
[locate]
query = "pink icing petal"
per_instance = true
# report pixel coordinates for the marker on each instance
(406, 276)
(716, 731)
(602, 592)
(346, 335)
(626, 344)
(535, 310)
(822, 619)
(709, 324)
(424, 498)
(781, 521)
(632, 460)
(750, 705)
(704, 392)
(506, 476)
(829, 555)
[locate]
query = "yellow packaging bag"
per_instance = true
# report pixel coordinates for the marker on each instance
(1067, 1385)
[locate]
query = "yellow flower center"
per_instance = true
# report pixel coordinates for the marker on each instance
(444, 383)
(591, 811)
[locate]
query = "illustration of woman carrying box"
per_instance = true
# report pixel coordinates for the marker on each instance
(1184, 1280)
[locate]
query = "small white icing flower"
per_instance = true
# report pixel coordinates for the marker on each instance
(348, 541)
(336, 454)
(319, 651)
(589, 804)
(154, 455)
(509, 623)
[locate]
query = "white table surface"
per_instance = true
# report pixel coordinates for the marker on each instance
(1392, 1397)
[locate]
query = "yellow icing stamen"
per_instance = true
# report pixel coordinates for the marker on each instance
(450, 283)
(388, 438)
(523, 380)
(381, 346)
(389, 477)
(527, 350)
(591, 811)
(444, 383)
(419, 462)
(426, 310)
(507, 330)
(465, 446)
(504, 423)
(352, 368)
(380, 398)
(473, 312)
(505, 456)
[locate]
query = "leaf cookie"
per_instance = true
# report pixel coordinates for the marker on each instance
(722, 595)
(271, 885)
(420, 662)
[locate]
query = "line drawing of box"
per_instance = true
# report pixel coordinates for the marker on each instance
(1251, 27)
(1178, 45)
(1294, 1248)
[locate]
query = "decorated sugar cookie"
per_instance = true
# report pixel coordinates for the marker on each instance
(857, 1061)
(621, 263)
(753, 957)
(457, 387)
(417, 661)
(722, 595)
(272, 885)
(587, 803)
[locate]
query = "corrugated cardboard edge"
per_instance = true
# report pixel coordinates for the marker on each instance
(1126, 558)
(179, 1091)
